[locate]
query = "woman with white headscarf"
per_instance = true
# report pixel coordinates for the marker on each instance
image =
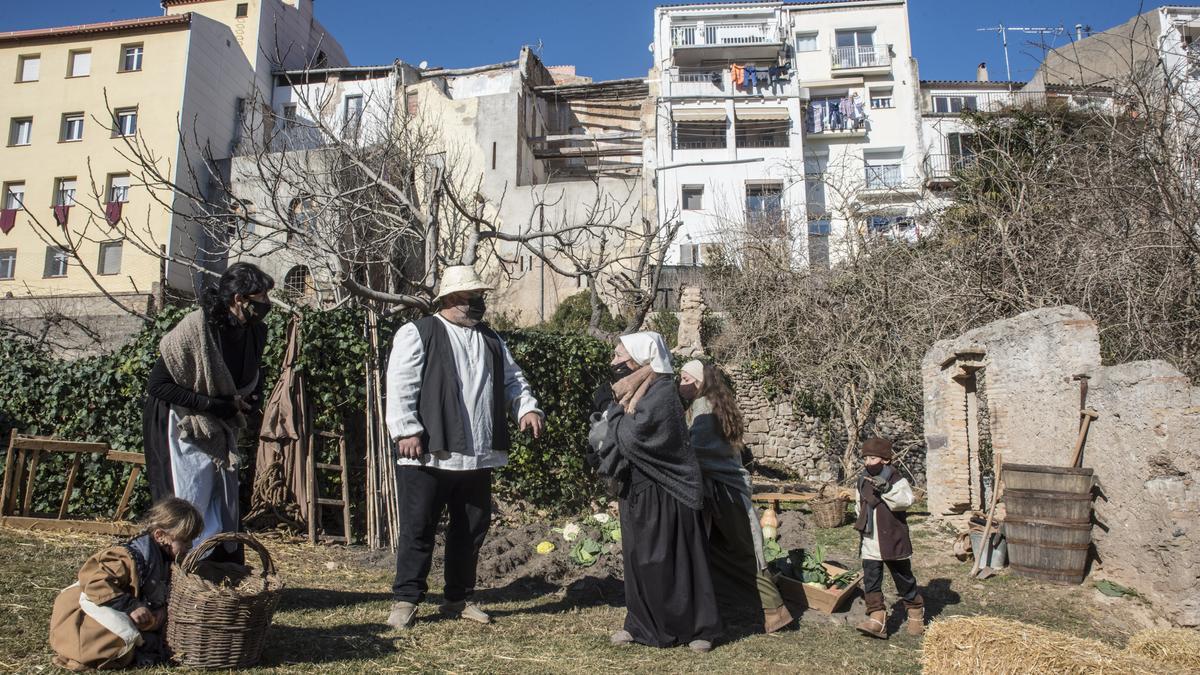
(641, 444)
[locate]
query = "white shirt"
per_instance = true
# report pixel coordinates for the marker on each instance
(898, 498)
(473, 362)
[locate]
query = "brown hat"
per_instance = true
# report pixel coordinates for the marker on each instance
(877, 447)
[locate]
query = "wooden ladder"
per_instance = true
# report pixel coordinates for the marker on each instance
(316, 501)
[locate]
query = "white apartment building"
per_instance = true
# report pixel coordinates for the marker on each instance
(823, 140)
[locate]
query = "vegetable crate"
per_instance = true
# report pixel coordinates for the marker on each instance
(813, 596)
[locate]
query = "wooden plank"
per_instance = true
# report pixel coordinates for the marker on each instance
(329, 467)
(586, 152)
(345, 491)
(324, 501)
(126, 457)
(29, 485)
(314, 511)
(783, 497)
(92, 526)
(46, 444)
(123, 506)
(66, 500)
(18, 470)
(9, 462)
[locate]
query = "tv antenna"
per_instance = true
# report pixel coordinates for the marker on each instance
(1003, 31)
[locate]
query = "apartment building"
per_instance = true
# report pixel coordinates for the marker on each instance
(797, 119)
(76, 218)
(540, 145)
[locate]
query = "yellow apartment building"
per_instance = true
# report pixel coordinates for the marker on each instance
(75, 216)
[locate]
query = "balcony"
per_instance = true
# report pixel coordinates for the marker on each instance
(861, 60)
(943, 170)
(885, 182)
(701, 41)
(951, 104)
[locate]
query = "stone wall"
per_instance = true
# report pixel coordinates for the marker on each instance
(1144, 447)
(76, 326)
(776, 432)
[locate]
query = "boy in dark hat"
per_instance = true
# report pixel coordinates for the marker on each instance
(883, 496)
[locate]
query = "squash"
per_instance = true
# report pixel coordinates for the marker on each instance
(769, 519)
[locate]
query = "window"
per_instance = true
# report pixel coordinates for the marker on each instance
(79, 63)
(29, 68)
(14, 196)
(20, 132)
(298, 282)
(242, 225)
(72, 127)
(806, 42)
(699, 135)
(689, 254)
(304, 214)
(764, 209)
(126, 122)
(131, 58)
(763, 133)
(56, 262)
(243, 10)
(64, 192)
(354, 111)
(881, 98)
(693, 197)
(8, 263)
(118, 188)
(951, 105)
(856, 49)
(411, 102)
(289, 116)
(884, 171)
(110, 258)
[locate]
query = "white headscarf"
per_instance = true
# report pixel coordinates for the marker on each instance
(694, 368)
(649, 347)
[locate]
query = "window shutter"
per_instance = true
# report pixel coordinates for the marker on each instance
(687, 254)
(30, 69)
(81, 64)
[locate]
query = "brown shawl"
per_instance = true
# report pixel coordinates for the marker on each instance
(630, 389)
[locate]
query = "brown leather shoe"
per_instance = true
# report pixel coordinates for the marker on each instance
(916, 621)
(776, 619)
(875, 625)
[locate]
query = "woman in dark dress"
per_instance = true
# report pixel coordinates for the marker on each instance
(207, 379)
(641, 443)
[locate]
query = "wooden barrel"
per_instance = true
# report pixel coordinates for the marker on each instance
(1048, 522)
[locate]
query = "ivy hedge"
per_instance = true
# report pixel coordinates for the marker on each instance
(101, 398)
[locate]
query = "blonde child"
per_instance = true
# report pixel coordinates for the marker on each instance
(112, 616)
(883, 497)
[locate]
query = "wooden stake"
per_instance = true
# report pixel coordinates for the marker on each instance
(986, 540)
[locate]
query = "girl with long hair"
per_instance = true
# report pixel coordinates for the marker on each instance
(735, 538)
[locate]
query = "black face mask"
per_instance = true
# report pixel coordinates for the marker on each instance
(875, 469)
(476, 308)
(258, 310)
(621, 370)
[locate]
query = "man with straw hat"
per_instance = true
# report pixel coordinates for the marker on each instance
(450, 381)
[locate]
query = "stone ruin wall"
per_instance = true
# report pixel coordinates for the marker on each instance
(1144, 447)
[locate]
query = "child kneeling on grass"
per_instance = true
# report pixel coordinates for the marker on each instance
(883, 497)
(113, 616)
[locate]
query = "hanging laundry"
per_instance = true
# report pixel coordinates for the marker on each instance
(736, 74)
(751, 77)
(846, 107)
(8, 219)
(834, 119)
(858, 112)
(817, 117)
(61, 213)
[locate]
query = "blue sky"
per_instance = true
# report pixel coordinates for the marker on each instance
(608, 39)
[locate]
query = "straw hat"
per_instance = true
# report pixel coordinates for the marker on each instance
(460, 278)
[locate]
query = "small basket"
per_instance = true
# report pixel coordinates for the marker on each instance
(212, 626)
(828, 512)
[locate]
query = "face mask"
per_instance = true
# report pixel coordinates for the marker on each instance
(258, 310)
(874, 469)
(621, 370)
(476, 307)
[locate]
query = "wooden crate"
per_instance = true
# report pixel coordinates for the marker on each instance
(825, 600)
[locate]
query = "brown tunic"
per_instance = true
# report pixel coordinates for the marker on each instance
(79, 641)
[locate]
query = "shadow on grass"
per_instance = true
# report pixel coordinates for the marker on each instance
(321, 598)
(326, 644)
(588, 591)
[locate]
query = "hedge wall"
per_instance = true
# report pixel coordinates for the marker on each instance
(101, 398)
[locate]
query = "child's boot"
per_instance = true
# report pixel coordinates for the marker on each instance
(875, 624)
(916, 615)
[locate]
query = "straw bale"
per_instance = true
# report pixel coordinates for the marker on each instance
(1001, 647)
(1174, 646)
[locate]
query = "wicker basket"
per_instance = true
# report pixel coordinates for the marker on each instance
(218, 626)
(828, 512)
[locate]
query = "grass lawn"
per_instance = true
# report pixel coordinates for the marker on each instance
(331, 618)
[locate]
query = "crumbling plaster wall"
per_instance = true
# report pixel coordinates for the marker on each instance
(1144, 446)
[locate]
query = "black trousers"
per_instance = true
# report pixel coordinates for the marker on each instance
(425, 494)
(902, 575)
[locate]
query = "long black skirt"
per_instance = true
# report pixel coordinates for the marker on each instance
(668, 588)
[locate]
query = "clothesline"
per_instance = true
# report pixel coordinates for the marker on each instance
(835, 114)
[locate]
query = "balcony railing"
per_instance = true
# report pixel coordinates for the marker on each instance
(863, 56)
(1006, 102)
(723, 34)
(885, 177)
(945, 167)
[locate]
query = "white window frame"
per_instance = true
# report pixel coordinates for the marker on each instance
(856, 32)
(816, 46)
(689, 255)
(954, 103)
(8, 264)
(64, 196)
(74, 60)
(14, 195)
(352, 123)
(884, 97)
(132, 56)
(683, 197)
(61, 262)
(72, 122)
(105, 246)
(14, 133)
(117, 192)
(126, 122)
(23, 67)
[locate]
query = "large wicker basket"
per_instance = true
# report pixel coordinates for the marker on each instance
(828, 511)
(219, 626)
